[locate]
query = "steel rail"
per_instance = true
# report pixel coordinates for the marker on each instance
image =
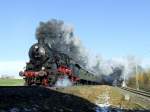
(140, 92)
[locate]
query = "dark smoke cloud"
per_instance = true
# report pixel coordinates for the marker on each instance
(60, 37)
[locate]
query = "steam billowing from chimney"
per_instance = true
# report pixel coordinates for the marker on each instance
(60, 37)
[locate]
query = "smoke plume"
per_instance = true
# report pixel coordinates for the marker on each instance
(60, 37)
(116, 69)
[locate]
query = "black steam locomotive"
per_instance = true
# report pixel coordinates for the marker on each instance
(47, 66)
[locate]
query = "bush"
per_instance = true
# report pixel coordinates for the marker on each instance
(7, 77)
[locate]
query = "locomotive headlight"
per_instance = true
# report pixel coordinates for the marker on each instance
(43, 68)
(36, 47)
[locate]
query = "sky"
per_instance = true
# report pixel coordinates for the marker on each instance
(111, 28)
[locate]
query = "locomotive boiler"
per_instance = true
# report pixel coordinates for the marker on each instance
(47, 65)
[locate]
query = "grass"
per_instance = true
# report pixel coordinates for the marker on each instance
(97, 94)
(11, 82)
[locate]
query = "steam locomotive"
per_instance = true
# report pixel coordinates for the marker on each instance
(46, 66)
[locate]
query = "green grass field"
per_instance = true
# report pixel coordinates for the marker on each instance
(11, 82)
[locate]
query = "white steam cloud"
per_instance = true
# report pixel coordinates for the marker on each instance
(63, 82)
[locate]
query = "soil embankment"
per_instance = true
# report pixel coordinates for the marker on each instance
(70, 99)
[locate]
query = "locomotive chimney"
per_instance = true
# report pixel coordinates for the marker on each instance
(41, 41)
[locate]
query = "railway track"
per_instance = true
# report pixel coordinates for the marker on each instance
(139, 92)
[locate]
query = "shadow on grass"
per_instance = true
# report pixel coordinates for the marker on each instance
(39, 99)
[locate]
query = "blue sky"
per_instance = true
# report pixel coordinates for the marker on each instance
(112, 28)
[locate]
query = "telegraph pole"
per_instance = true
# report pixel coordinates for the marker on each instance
(124, 82)
(137, 80)
(124, 79)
